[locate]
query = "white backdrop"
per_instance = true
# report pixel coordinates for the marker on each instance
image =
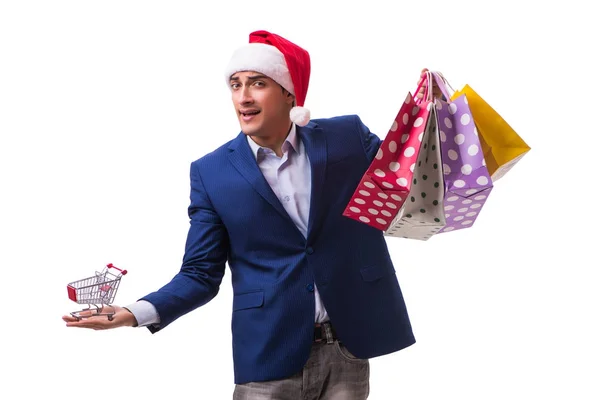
(103, 105)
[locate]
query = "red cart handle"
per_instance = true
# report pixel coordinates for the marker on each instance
(123, 271)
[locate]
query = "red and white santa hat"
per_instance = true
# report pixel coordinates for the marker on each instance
(281, 60)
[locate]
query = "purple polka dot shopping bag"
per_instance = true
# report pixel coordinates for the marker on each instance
(385, 185)
(467, 181)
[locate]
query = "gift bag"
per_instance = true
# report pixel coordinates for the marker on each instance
(467, 181)
(385, 185)
(502, 146)
(422, 214)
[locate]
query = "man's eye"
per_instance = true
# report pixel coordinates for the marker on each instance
(235, 85)
(259, 83)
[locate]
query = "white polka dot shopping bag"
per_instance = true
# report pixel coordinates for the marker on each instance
(386, 183)
(467, 181)
(422, 214)
(501, 144)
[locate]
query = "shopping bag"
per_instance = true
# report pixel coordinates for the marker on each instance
(467, 181)
(386, 183)
(501, 144)
(422, 214)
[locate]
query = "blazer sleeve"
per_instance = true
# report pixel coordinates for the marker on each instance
(203, 265)
(370, 141)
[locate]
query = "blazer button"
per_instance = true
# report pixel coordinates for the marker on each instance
(310, 287)
(309, 250)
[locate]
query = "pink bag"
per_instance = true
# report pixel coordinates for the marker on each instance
(385, 185)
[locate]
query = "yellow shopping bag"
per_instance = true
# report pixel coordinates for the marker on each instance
(502, 146)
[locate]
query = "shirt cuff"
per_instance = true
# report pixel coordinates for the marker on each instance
(144, 313)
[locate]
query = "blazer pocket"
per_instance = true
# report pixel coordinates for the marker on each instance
(374, 273)
(248, 300)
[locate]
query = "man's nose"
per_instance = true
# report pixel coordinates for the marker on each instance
(244, 95)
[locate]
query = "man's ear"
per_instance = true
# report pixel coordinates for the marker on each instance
(289, 98)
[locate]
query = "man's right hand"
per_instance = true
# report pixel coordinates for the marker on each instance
(121, 317)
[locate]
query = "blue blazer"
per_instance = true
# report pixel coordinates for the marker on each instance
(235, 218)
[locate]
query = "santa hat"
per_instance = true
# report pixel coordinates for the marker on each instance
(279, 59)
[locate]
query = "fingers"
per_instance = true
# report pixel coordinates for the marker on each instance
(423, 72)
(107, 318)
(98, 322)
(435, 89)
(76, 316)
(421, 92)
(69, 318)
(87, 313)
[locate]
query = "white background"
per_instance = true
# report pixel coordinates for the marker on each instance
(103, 105)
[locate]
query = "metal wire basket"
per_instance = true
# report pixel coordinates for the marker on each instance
(97, 291)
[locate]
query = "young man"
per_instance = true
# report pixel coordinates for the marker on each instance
(315, 293)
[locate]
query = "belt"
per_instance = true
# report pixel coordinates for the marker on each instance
(324, 332)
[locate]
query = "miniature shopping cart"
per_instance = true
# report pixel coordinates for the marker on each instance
(96, 291)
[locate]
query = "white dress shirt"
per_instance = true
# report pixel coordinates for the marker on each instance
(290, 179)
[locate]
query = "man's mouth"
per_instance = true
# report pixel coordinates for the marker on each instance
(247, 115)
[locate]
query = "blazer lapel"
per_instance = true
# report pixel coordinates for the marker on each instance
(243, 160)
(316, 147)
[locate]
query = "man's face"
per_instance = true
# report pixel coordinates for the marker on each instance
(261, 104)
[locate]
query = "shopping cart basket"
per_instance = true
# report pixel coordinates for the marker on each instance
(96, 291)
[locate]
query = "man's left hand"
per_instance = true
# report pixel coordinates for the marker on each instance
(437, 93)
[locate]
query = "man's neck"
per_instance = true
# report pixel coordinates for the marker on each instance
(273, 142)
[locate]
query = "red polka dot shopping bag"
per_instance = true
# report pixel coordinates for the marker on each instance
(467, 181)
(385, 185)
(501, 145)
(422, 214)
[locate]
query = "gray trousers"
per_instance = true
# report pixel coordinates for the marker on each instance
(331, 373)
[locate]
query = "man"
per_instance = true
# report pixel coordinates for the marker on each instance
(315, 293)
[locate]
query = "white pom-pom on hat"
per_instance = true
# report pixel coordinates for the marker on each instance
(300, 115)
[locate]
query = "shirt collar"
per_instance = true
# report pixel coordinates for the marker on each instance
(291, 138)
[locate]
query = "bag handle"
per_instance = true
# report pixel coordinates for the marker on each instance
(426, 79)
(443, 84)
